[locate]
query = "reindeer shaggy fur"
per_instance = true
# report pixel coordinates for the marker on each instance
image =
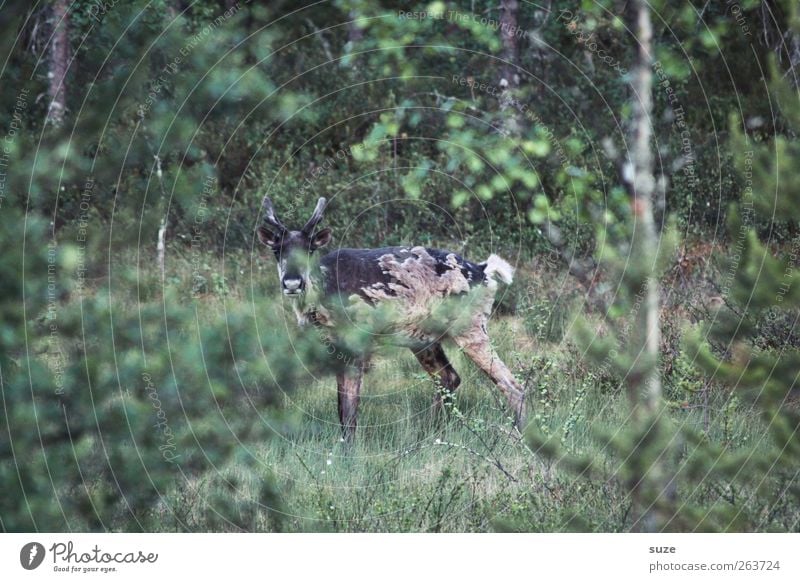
(418, 284)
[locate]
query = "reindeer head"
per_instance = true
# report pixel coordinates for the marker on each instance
(293, 248)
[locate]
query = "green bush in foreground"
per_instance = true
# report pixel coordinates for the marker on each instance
(109, 408)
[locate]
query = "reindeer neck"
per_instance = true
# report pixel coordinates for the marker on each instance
(307, 308)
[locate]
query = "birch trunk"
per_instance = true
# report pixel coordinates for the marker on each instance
(639, 174)
(653, 485)
(509, 75)
(59, 58)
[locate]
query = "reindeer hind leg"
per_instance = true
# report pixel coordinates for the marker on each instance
(477, 346)
(434, 361)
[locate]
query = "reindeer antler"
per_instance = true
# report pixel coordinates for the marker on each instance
(269, 215)
(316, 217)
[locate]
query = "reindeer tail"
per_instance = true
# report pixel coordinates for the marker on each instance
(498, 269)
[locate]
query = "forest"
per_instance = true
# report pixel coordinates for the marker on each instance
(634, 161)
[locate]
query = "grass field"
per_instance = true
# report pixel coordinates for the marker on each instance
(469, 472)
(258, 438)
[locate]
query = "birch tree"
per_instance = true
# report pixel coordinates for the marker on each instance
(59, 59)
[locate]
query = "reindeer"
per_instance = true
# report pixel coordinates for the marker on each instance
(414, 281)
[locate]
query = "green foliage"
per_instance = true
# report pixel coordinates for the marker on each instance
(747, 344)
(144, 400)
(763, 295)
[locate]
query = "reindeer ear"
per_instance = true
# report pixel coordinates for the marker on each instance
(267, 237)
(321, 239)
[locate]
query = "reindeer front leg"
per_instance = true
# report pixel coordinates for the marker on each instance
(349, 385)
(476, 345)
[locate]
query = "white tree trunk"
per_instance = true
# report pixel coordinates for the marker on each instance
(639, 172)
(644, 382)
(509, 74)
(58, 62)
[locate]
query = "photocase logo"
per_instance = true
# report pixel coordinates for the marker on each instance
(31, 555)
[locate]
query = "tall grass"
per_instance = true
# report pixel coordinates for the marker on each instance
(409, 471)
